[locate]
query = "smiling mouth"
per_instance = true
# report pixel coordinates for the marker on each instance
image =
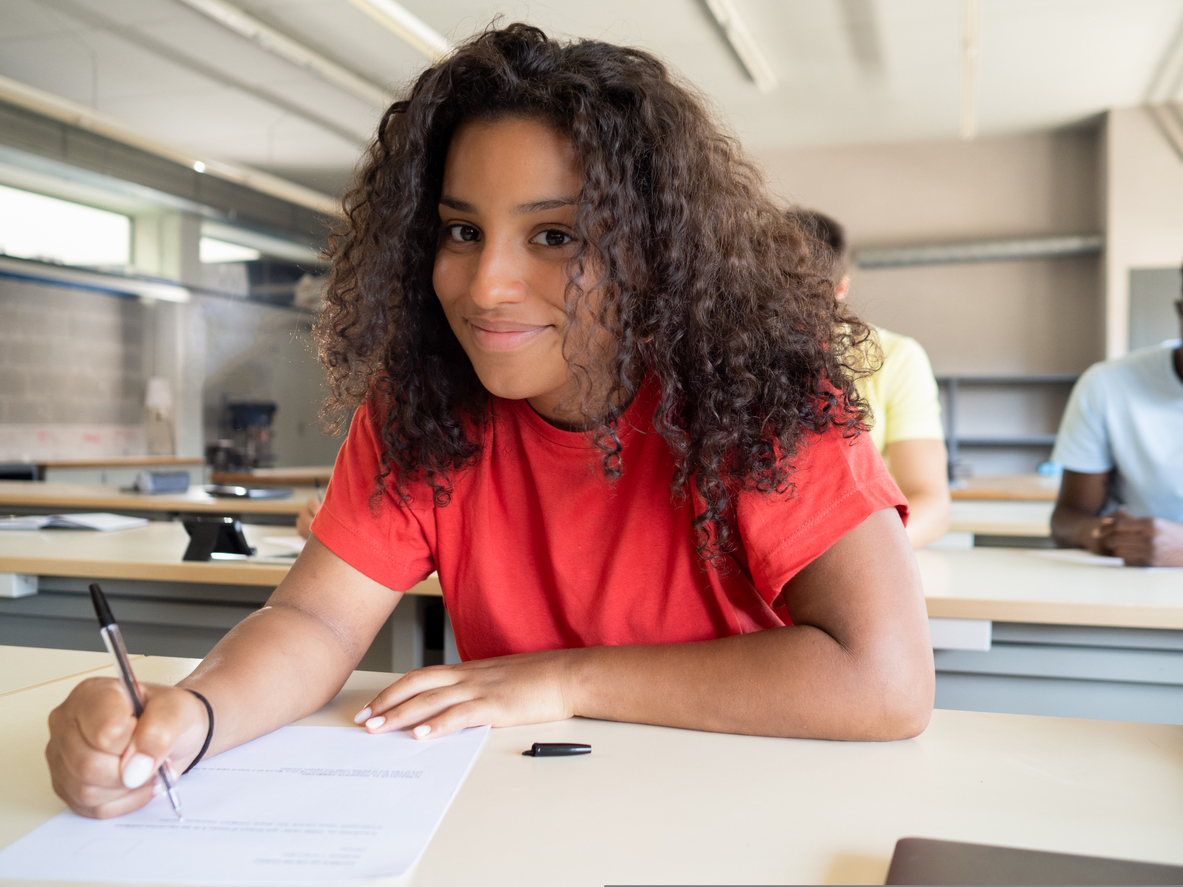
(504, 339)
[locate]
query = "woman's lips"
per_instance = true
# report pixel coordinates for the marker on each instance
(504, 339)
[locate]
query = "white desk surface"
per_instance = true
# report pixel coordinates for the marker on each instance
(99, 497)
(657, 805)
(1023, 585)
(22, 667)
(1001, 518)
(1003, 585)
(152, 552)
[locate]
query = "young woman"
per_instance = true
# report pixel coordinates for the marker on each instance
(599, 387)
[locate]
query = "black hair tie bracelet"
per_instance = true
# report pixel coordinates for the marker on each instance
(209, 734)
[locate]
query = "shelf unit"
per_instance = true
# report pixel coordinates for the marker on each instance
(953, 385)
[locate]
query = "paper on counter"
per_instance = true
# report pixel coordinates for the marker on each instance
(303, 804)
(99, 520)
(291, 543)
(1080, 556)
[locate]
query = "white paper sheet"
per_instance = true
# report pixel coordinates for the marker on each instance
(304, 804)
(99, 520)
(1080, 556)
(291, 543)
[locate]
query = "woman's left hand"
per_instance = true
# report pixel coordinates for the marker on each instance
(527, 688)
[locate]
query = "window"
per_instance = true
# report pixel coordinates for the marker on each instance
(33, 226)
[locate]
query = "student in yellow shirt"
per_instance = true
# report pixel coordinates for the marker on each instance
(903, 399)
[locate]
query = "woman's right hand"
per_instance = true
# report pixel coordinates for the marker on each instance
(103, 760)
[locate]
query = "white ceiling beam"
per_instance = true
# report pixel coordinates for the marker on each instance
(66, 111)
(968, 123)
(292, 51)
(736, 30)
(406, 26)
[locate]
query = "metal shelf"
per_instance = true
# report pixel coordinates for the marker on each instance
(1006, 250)
(1026, 440)
(955, 441)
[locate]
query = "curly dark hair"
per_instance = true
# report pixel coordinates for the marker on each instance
(704, 282)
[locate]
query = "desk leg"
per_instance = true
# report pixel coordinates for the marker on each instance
(407, 633)
(451, 654)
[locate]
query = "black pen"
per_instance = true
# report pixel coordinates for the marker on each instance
(114, 641)
(556, 749)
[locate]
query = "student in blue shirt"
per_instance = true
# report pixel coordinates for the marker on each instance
(1121, 445)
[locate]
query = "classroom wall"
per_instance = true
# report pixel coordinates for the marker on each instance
(995, 318)
(262, 352)
(1144, 193)
(1012, 317)
(72, 372)
(74, 368)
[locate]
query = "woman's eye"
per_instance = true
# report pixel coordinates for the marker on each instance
(463, 233)
(552, 237)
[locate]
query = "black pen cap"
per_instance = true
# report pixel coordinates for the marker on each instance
(101, 609)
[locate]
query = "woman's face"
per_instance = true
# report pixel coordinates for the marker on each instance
(507, 212)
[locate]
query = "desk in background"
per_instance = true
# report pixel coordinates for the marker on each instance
(656, 805)
(987, 522)
(37, 497)
(118, 470)
(1026, 632)
(276, 477)
(166, 605)
(1017, 631)
(1008, 488)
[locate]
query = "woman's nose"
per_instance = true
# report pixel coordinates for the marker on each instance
(498, 278)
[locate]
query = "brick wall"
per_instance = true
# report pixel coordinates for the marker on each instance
(74, 367)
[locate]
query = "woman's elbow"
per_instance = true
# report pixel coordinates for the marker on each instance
(904, 688)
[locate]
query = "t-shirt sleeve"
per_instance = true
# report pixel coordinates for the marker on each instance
(838, 484)
(388, 542)
(1082, 443)
(912, 408)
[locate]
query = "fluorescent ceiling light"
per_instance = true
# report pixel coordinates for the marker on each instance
(279, 44)
(218, 251)
(33, 226)
(396, 19)
(735, 29)
(266, 244)
(93, 281)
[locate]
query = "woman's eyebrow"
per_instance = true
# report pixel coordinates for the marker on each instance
(538, 206)
(522, 209)
(461, 206)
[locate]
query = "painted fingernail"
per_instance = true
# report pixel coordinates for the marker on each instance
(137, 770)
(375, 723)
(362, 715)
(421, 731)
(158, 789)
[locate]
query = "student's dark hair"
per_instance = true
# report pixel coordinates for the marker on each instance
(703, 282)
(833, 256)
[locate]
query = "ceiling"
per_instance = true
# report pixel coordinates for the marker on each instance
(849, 71)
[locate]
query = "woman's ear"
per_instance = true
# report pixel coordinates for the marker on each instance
(843, 288)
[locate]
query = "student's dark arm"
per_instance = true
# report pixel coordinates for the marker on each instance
(856, 664)
(1075, 521)
(1144, 541)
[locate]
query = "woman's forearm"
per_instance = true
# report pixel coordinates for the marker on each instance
(793, 681)
(291, 657)
(274, 667)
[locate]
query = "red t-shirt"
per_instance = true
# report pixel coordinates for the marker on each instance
(538, 550)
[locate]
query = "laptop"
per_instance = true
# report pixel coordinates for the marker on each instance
(929, 861)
